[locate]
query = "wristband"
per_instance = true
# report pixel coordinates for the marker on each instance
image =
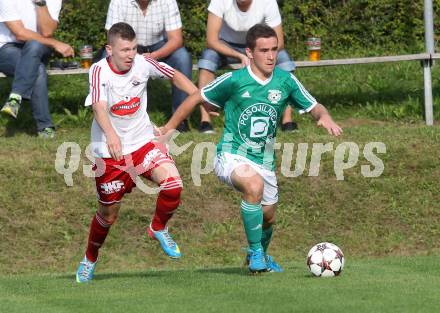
(40, 3)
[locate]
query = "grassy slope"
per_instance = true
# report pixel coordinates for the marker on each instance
(44, 224)
(375, 285)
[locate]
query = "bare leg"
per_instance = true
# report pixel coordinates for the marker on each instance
(287, 115)
(205, 77)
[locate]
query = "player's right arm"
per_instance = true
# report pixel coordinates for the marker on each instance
(213, 96)
(97, 98)
(213, 41)
(182, 112)
(113, 141)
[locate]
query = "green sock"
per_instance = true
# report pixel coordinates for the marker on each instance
(252, 216)
(266, 237)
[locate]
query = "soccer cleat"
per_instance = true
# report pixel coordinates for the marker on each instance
(257, 262)
(47, 133)
(206, 128)
(169, 246)
(85, 271)
(12, 106)
(273, 266)
(289, 127)
(183, 127)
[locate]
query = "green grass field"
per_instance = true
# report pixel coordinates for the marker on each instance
(409, 284)
(388, 226)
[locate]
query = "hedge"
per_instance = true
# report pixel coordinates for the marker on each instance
(346, 27)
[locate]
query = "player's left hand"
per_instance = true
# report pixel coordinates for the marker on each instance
(332, 128)
(163, 134)
(149, 55)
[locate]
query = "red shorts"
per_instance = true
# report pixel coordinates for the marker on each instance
(116, 178)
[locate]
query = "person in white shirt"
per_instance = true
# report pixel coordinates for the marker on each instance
(228, 23)
(26, 30)
(123, 141)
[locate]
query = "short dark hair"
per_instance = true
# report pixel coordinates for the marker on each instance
(258, 31)
(121, 30)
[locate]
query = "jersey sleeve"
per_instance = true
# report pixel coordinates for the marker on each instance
(96, 86)
(158, 69)
(217, 7)
(114, 14)
(272, 17)
(219, 90)
(8, 12)
(299, 96)
(172, 16)
(54, 7)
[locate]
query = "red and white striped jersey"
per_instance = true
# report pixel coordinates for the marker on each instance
(125, 94)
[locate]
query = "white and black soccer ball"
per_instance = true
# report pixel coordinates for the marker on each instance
(325, 260)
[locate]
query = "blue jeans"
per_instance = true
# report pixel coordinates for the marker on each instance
(26, 63)
(211, 60)
(180, 60)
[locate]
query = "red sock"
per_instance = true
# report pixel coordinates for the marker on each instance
(99, 228)
(167, 202)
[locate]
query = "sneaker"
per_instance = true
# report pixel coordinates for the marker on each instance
(63, 65)
(47, 133)
(167, 243)
(289, 127)
(71, 65)
(273, 266)
(56, 65)
(206, 128)
(12, 106)
(183, 127)
(257, 262)
(85, 271)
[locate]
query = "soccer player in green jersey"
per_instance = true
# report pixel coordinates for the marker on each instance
(253, 99)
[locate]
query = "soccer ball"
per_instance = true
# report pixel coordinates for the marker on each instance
(325, 260)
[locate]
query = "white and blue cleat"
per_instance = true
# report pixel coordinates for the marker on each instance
(85, 271)
(257, 261)
(273, 266)
(169, 246)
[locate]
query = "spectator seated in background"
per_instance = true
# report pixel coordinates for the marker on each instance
(26, 30)
(228, 22)
(158, 26)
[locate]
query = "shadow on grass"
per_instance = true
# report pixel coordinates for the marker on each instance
(24, 124)
(225, 270)
(162, 273)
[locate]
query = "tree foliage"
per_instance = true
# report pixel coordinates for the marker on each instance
(350, 27)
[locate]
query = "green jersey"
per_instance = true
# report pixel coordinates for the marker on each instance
(253, 109)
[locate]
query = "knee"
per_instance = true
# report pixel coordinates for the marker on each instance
(284, 62)
(109, 212)
(183, 56)
(110, 216)
(210, 60)
(182, 61)
(42, 70)
(41, 75)
(254, 190)
(34, 47)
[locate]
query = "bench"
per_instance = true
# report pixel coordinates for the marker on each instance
(426, 58)
(300, 64)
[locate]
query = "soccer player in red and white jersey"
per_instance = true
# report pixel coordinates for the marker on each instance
(123, 141)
